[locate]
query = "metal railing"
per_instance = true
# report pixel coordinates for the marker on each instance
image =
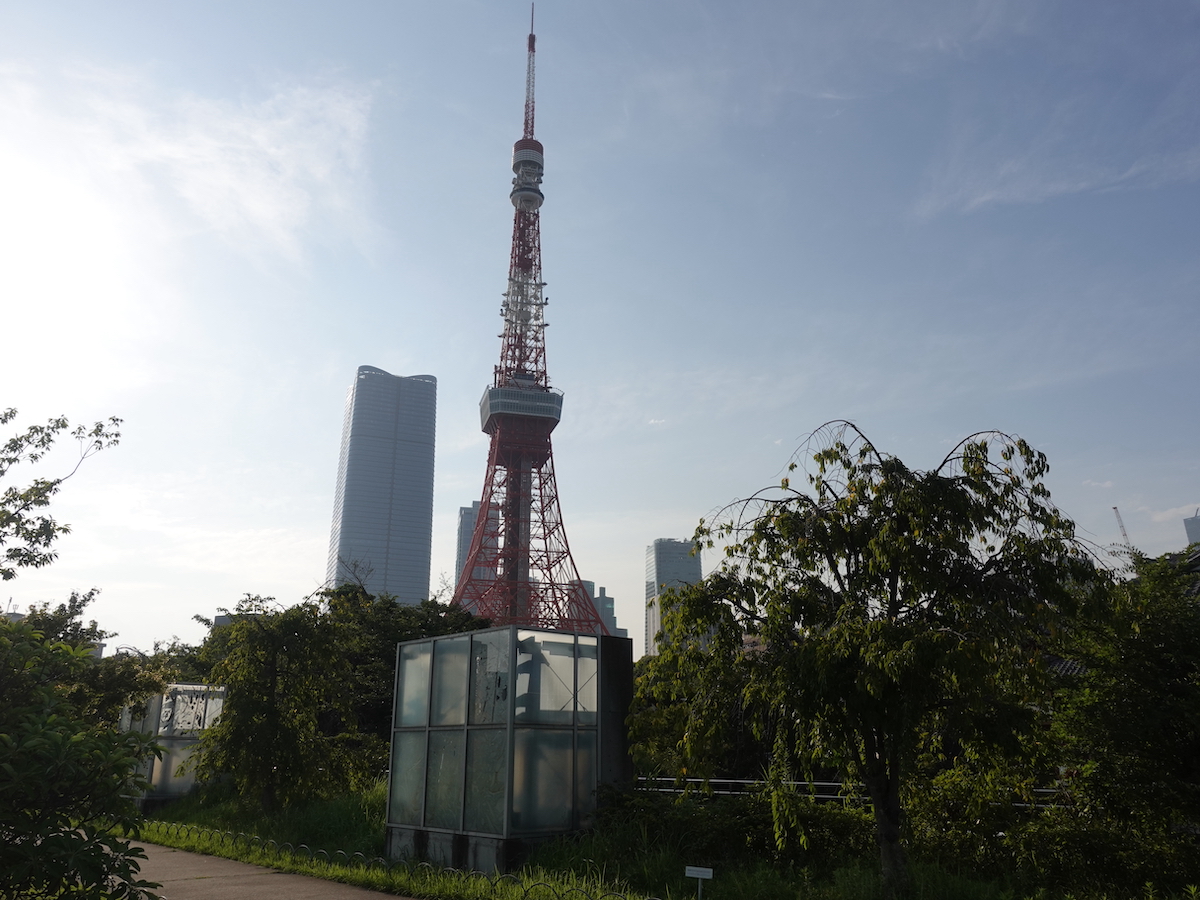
(733, 787)
(1044, 798)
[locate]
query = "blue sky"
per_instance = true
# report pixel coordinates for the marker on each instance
(929, 218)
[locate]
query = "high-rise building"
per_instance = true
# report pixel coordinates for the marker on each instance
(669, 564)
(383, 505)
(1192, 526)
(606, 606)
(466, 530)
(466, 527)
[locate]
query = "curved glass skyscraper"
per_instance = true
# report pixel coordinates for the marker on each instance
(383, 506)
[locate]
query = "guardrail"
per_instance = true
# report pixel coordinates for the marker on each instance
(1044, 798)
(818, 790)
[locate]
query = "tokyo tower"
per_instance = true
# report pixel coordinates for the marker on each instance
(519, 569)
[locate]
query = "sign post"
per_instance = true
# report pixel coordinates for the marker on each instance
(700, 874)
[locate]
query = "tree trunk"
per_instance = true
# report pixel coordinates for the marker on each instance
(893, 861)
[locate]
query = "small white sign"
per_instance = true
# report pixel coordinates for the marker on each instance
(697, 872)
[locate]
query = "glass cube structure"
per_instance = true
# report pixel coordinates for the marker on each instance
(500, 739)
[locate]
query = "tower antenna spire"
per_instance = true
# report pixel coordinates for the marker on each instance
(529, 78)
(519, 569)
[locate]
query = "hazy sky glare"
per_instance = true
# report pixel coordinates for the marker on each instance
(929, 218)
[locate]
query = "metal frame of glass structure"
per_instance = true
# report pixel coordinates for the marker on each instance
(500, 739)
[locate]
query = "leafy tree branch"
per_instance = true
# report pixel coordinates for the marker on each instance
(26, 536)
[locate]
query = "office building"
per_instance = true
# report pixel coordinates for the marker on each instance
(669, 564)
(466, 532)
(383, 506)
(605, 606)
(466, 528)
(1192, 526)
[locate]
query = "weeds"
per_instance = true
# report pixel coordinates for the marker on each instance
(353, 823)
(638, 849)
(374, 873)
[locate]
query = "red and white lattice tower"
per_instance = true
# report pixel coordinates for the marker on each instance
(519, 570)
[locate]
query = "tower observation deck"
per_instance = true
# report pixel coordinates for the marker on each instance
(519, 569)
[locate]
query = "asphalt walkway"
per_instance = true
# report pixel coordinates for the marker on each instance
(193, 876)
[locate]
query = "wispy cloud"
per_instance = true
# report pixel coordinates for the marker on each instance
(1175, 513)
(1024, 143)
(259, 172)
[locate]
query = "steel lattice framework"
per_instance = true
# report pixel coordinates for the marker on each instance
(519, 568)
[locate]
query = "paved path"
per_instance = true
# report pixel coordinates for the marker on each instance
(193, 876)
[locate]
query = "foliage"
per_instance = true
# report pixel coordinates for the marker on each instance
(664, 703)
(66, 776)
(281, 673)
(65, 782)
(639, 846)
(352, 822)
(65, 622)
(368, 629)
(644, 839)
(408, 879)
(1104, 794)
(106, 684)
(27, 535)
(1130, 720)
(890, 613)
(314, 683)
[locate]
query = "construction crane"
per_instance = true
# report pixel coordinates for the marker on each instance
(1124, 533)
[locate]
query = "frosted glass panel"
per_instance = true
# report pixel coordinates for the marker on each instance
(489, 678)
(542, 776)
(450, 681)
(408, 777)
(444, 792)
(414, 685)
(545, 678)
(585, 673)
(585, 776)
(486, 776)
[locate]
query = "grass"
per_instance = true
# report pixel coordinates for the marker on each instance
(638, 850)
(645, 840)
(354, 823)
(409, 880)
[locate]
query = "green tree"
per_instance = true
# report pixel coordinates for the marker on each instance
(1131, 717)
(308, 708)
(281, 671)
(368, 628)
(884, 613)
(1127, 723)
(1116, 755)
(107, 684)
(737, 743)
(27, 534)
(66, 782)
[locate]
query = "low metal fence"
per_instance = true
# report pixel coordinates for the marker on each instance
(1043, 798)
(818, 790)
(540, 890)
